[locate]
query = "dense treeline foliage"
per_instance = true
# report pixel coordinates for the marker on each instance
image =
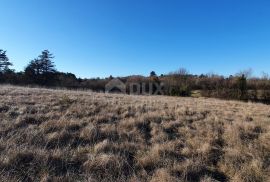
(41, 71)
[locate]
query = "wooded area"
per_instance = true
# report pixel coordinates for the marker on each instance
(42, 71)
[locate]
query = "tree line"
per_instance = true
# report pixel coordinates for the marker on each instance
(42, 71)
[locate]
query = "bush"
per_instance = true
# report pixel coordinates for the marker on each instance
(265, 96)
(183, 91)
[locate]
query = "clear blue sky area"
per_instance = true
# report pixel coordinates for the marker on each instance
(98, 38)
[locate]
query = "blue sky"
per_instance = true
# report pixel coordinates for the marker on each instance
(98, 38)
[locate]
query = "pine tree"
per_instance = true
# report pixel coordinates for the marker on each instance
(34, 67)
(4, 62)
(47, 65)
(42, 69)
(42, 65)
(153, 74)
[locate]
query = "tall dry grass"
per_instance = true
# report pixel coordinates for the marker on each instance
(57, 135)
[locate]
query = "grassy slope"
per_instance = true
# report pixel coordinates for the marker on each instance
(67, 135)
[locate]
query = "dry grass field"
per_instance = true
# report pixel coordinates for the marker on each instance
(54, 135)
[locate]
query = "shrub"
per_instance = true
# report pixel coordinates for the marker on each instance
(183, 91)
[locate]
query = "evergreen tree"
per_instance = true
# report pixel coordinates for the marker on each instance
(46, 63)
(4, 62)
(34, 67)
(41, 70)
(153, 74)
